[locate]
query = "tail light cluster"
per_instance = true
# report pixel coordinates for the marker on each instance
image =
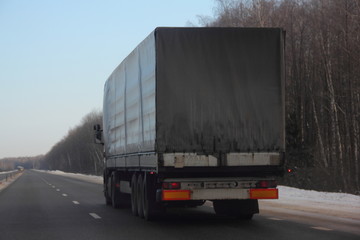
(172, 192)
(171, 185)
(266, 184)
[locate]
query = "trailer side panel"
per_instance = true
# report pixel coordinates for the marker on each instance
(129, 105)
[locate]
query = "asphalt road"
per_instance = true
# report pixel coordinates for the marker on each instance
(44, 206)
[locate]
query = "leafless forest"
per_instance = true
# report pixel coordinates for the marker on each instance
(322, 92)
(322, 83)
(77, 152)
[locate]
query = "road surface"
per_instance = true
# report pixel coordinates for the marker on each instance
(44, 206)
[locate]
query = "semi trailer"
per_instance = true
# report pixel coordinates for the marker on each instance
(194, 115)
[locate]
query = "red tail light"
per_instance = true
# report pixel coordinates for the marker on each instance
(171, 185)
(266, 184)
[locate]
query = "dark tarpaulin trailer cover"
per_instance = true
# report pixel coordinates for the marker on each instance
(202, 90)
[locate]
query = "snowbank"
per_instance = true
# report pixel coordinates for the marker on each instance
(88, 178)
(12, 171)
(293, 194)
(340, 205)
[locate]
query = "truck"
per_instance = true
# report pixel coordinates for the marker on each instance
(194, 115)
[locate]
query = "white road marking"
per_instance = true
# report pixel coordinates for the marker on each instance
(45, 181)
(64, 194)
(94, 215)
(76, 202)
(322, 228)
(275, 219)
(58, 190)
(53, 186)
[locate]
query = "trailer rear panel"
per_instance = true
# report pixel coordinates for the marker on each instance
(219, 90)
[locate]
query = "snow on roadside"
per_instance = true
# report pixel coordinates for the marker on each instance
(12, 171)
(340, 205)
(289, 194)
(87, 178)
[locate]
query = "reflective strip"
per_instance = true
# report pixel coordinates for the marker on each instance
(180, 160)
(252, 159)
(272, 193)
(172, 195)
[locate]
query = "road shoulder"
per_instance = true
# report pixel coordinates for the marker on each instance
(6, 183)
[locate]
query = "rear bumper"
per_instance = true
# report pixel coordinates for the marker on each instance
(217, 194)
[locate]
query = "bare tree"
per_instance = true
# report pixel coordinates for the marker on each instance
(322, 82)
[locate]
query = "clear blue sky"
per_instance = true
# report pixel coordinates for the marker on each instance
(56, 55)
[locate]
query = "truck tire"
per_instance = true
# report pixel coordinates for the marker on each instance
(134, 208)
(106, 190)
(152, 209)
(118, 198)
(241, 209)
(140, 195)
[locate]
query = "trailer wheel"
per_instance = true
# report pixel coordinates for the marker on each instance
(118, 198)
(134, 208)
(106, 190)
(151, 208)
(241, 209)
(140, 195)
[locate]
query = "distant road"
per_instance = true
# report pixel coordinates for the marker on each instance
(44, 206)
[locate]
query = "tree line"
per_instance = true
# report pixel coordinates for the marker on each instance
(8, 164)
(77, 151)
(322, 83)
